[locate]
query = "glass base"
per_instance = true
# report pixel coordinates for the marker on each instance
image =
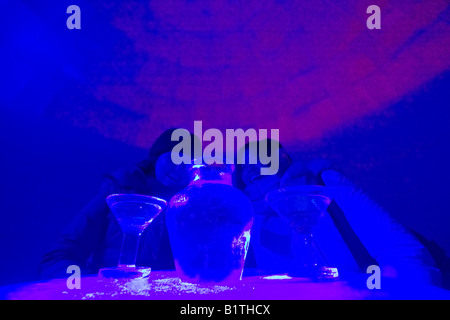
(120, 272)
(315, 273)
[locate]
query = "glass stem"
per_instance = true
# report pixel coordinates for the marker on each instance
(303, 248)
(128, 253)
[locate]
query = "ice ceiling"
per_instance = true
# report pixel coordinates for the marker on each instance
(307, 68)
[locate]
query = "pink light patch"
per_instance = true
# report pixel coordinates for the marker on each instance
(304, 68)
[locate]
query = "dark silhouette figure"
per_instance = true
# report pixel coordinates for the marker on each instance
(93, 239)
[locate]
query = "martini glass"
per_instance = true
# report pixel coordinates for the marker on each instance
(133, 212)
(302, 208)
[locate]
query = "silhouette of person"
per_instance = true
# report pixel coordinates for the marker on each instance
(355, 234)
(93, 239)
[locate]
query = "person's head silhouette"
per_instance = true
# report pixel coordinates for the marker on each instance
(160, 165)
(248, 176)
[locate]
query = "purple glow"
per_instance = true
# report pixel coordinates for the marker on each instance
(305, 68)
(166, 285)
(261, 65)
